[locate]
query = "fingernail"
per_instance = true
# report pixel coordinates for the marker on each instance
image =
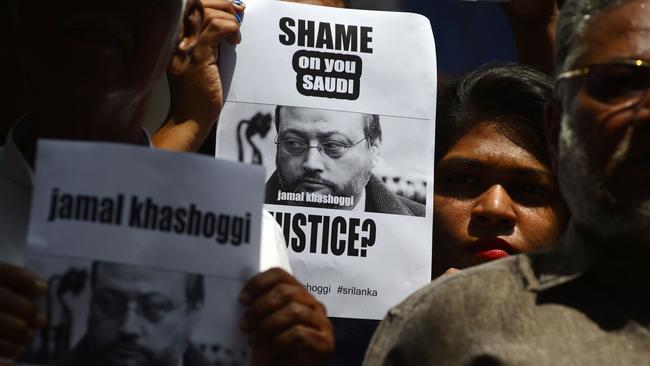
(237, 2)
(238, 17)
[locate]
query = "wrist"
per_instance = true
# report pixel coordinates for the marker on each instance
(181, 135)
(203, 118)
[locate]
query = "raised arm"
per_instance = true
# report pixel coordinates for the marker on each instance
(196, 95)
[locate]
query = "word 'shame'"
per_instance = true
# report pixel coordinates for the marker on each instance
(309, 33)
(326, 74)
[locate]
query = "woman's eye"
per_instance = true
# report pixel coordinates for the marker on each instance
(531, 190)
(462, 179)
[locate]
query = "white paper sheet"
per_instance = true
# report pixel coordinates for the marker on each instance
(372, 247)
(144, 250)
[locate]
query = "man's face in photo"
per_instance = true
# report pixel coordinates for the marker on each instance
(343, 163)
(139, 317)
(94, 49)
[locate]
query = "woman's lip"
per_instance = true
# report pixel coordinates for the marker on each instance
(491, 254)
(496, 243)
(488, 249)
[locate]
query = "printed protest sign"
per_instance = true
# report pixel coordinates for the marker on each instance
(145, 252)
(339, 106)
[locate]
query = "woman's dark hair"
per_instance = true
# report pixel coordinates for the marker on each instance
(512, 96)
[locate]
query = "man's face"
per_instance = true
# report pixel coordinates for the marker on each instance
(604, 145)
(139, 317)
(314, 171)
(94, 49)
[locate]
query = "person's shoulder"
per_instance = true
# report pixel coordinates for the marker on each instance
(490, 282)
(435, 323)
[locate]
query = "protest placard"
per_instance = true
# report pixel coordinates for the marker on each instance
(339, 106)
(145, 252)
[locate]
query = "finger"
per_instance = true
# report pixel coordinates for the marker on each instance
(213, 6)
(21, 307)
(273, 302)
(451, 271)
(10, 350)
(22, 281)
(263, 282)
(304, 338)
(220, 4)
(275, 299)
(218, 14)
(239, 4)
(219, 28)
(15, 330)
(289, 316)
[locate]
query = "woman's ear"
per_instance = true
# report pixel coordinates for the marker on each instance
(188, 37)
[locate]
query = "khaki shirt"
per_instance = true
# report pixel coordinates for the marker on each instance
(538, 309)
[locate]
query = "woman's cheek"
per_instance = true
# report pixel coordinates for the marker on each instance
(540, 228)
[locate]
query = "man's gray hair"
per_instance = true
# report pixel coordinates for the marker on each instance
(574, 19)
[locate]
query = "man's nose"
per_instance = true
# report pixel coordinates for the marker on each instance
(313, 160)
(494, 208)
(130, 325)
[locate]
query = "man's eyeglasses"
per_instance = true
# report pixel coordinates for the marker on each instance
(618, 82)
(333, 149)
(152, 307)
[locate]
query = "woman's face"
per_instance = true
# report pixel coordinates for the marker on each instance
(493, 198)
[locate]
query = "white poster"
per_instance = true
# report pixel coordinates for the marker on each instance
(145, 252)
(339, 106)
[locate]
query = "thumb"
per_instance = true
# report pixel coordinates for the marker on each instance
(451, 271)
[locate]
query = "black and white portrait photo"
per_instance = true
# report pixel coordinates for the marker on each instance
(330, 159)
(110, 314)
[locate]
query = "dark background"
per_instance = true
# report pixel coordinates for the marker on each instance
(468, 34)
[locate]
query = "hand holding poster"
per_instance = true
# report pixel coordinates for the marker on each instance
(144, 272)
(339, 106)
